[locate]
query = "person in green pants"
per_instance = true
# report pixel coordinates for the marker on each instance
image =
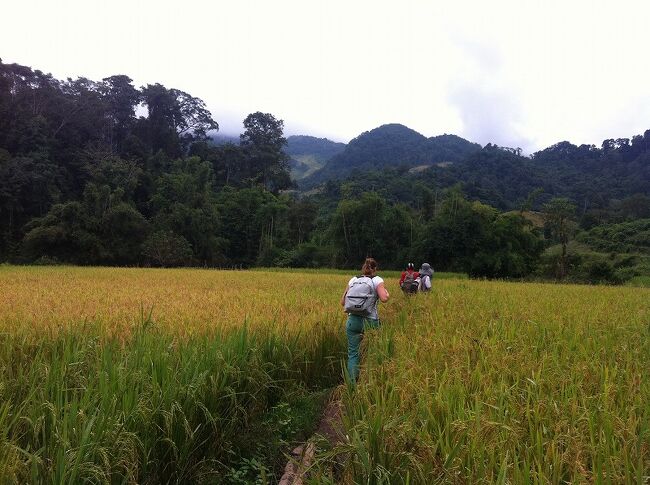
(356, 324)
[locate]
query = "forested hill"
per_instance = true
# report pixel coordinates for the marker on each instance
(393, 159)
(222, 139)
(309, 154)
(104, 172)
(592, 177)
(595, 179)
(393, 145)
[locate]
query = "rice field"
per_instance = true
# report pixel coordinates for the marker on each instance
(492, 382)
(114, 375)
(159, 376)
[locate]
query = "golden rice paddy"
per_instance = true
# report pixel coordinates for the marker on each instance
(477, 382)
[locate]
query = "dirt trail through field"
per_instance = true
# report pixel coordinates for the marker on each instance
(330, 427)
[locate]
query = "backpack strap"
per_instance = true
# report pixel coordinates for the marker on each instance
(371, 280)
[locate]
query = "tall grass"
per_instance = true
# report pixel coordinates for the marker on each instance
(386, 274)
(485, 382)
(477, 382)
(103, 400)
(154, 409)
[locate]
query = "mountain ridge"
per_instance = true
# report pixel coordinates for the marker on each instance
(392, 145)
(308, 154)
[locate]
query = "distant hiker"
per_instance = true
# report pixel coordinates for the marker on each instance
(426, 275)
(359, 300)
(408, 281)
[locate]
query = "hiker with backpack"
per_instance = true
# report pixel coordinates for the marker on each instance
(426, 275)
(409, 282)
(360, 300)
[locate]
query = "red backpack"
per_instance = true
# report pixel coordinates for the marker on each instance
(409, 285)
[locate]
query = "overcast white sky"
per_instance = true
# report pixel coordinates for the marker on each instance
(517, 73)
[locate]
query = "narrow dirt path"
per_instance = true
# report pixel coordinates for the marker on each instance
(329, 427)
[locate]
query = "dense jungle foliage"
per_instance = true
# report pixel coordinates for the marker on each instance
(106, 173)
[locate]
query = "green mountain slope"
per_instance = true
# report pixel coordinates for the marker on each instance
(393, 145)
(309, 154)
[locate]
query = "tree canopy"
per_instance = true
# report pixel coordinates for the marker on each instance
(104, 172)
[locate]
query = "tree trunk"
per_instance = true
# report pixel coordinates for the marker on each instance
(562, 269)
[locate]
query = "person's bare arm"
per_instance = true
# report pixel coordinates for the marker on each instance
(382, 293)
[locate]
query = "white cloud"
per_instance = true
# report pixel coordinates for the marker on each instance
(519, 73)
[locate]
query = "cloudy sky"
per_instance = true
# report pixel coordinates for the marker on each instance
(517, 73)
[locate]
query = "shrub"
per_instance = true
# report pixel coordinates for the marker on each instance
(164, 248)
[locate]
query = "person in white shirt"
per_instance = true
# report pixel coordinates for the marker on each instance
(356, 324)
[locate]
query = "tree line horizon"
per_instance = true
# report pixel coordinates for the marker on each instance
(85, 180)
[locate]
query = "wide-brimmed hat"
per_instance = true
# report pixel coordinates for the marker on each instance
(426, 269)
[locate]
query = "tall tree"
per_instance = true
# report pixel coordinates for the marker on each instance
(302, 215)
(175, 119)
(264, 143)
(558, 213)
(368, 226)
(122, 99)
(185, 203)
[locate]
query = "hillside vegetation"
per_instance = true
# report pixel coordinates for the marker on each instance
(106, 173)
(594, 178)
(390, 146)
(309, 154)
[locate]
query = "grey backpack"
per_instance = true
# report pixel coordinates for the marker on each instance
(361, 296)
(410, 284)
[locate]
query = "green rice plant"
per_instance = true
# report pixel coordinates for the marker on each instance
(153, 409)
(489, 382)
(476, 382)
